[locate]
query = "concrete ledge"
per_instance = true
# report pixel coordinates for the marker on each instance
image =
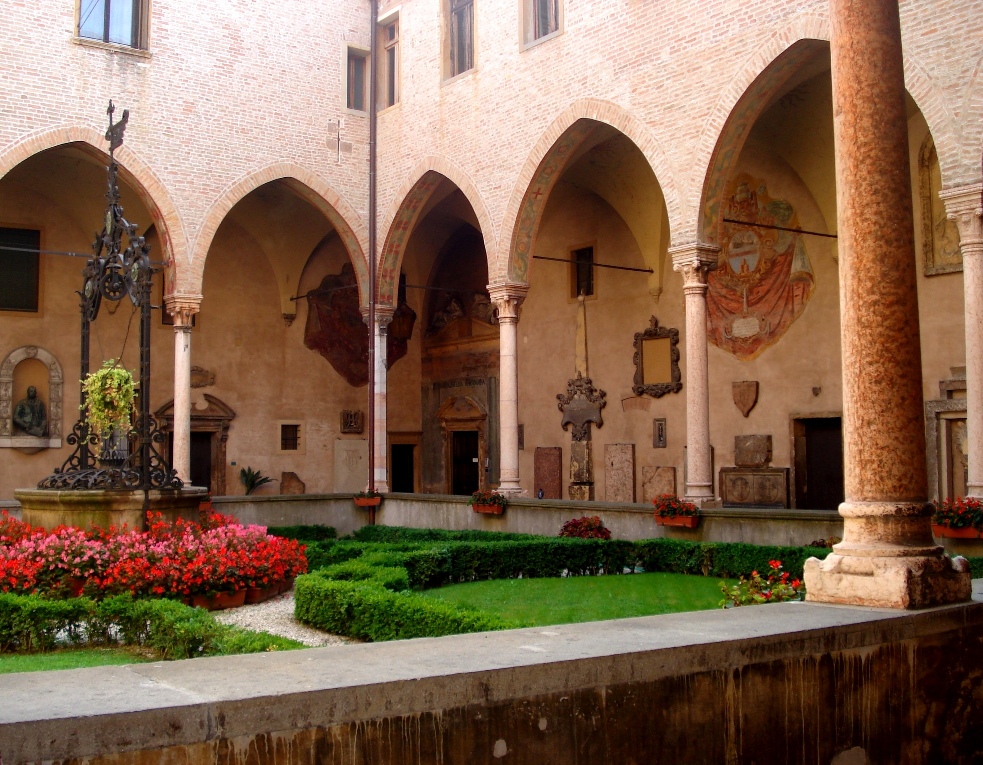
(769, 680)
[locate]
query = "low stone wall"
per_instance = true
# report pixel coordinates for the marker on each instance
(528, 516)
(787, 683)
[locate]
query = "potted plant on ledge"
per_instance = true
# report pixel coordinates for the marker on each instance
(367, 499)
(670, 510)
(488, 502)
(959, 518)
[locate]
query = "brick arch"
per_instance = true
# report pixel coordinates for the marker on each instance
(133, 170)
(343, 217)
(971, 140)
(544, 166)
(404, 213)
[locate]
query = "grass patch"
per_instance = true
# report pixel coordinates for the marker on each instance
(70, 658)
(541, 602)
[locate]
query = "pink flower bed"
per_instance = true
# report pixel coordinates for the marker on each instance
(168, 560)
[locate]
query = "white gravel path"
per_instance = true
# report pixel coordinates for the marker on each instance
(276, 616)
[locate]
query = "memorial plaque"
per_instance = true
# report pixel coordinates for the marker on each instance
(351, 464)
(656, 481)
(752, 451)
(619, 472)
(548, 470)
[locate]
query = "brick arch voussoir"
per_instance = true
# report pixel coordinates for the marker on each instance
(134, 170)
(537, 174)
(404, 212)
(343, 217)
(734, 112)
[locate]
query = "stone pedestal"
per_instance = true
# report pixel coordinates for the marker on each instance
(548, 469)
(581, 471)
(49, 508)
(619, 472)
(888, 556)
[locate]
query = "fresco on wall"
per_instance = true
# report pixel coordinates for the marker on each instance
(763, 278)
(336, 330)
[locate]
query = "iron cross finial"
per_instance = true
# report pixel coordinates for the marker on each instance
(115, 132)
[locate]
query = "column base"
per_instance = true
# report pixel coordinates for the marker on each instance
(704, 502)
(510, 489)
(888, 582)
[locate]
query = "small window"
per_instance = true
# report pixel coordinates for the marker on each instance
(357, 71)
(541, 19)
(20, 269)
(289, 438)
(390, 63)
(113, 21)
(461, 36)
(583, 271)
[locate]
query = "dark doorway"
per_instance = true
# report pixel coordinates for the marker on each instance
(818, 463)
(201, 459)
(464, 447)
(402, 467)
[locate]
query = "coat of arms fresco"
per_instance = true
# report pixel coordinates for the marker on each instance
(763, 278)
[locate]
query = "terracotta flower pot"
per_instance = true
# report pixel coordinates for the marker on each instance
(220, 600)
(261, 594)
(683, 521)
(76, 585)
(368, 501)
(951, 533)
(488, 509)
(287, 583)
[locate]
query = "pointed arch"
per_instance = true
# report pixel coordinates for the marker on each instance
(545, 163)
(340, 214)
(404, 213)
(134, 171)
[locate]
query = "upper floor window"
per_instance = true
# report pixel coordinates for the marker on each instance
(583, 272)
(20, 266)
(113, 21)
(461, 36)
(541, 19)
(390, 63)
(357, 79)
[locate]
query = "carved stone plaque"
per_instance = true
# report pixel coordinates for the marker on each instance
(581, 405)
(752, 451)
(352, 421)
(619, 472)
(745, 395)
(656, 481)
(548, 470)
(754, 487)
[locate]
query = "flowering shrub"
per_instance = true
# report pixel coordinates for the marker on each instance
(959, 513)
(669, 506)
(758, 589)
(585, 528)
(176, 560)
(488, 498)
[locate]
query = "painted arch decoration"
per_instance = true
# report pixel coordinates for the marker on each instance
(763, 278)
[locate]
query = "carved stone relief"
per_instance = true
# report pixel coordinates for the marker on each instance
(581, 405)
(940, 235)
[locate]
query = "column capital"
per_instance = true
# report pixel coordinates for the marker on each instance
(507, 298)
(964, 206)
(383, 316)
(182, 307)
(694, 260)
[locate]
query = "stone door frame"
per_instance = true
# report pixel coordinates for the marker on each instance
(216, 419)
(454, 417)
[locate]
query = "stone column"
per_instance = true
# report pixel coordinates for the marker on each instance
(695, 261)
(508, 298)
(963, 205)
(380, 460)
(182, 308)
(888, 557)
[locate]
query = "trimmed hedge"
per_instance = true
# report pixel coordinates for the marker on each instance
(313, 533)
(393, 578)
(175, 631)
(391, 534)
(368, 611)
(721, 559)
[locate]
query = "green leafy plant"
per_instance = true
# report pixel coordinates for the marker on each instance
(252, 479)
(670, 506)
(489, 498)
(958, 513)
(757, 589)
(108, 398)
(591, 527)
(366, 494)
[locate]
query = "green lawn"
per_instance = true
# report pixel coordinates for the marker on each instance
(68, 659)
(540, 602)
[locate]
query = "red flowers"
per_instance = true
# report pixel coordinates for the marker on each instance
(178, 559)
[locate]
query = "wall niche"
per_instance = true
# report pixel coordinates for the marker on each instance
(23, 368)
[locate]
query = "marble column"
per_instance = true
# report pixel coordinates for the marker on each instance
(508, 298)
(695, 261)
(888, 557)
(963, 205)
(380, 459)
(182, 308)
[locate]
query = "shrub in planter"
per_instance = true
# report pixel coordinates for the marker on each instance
(488, 502)
(585, 528)
(961, 516)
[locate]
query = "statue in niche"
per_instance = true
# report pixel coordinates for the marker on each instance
(447, 315)
(30, 415)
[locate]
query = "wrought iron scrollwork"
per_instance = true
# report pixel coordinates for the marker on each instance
(115, 273)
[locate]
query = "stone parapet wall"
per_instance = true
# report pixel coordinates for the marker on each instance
(785, 683)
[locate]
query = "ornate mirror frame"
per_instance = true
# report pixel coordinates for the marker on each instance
(657, 389)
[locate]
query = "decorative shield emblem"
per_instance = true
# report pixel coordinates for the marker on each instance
(745, 395)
